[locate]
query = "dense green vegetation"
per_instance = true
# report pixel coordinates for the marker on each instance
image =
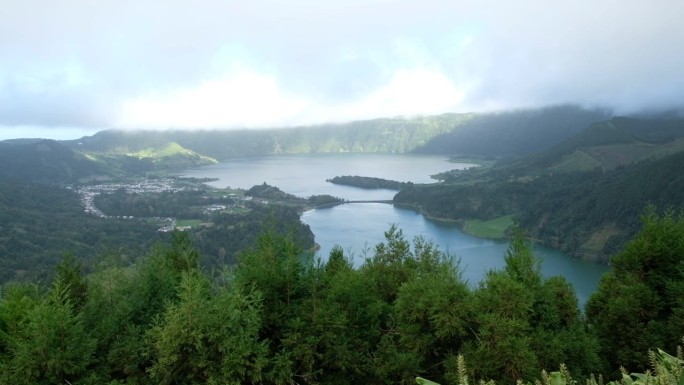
(369, 182)
(46, 161)
(237, 299)
(605, 145)
(40, 223)
(513, 133)
(49, 161)
(647, 275)
(587, 213)
(228, 234)
(172, 155)
(280, 318)
(487, 134)
(664, 369)
(267, 193)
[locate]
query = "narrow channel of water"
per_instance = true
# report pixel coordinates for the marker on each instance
(358, 227)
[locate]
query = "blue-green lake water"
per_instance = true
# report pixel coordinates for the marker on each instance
(358, 227)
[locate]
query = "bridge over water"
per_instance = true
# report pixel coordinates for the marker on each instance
(354, 201)
(370, 201)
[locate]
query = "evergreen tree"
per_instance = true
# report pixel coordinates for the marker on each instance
(208, 336)
(640, 303)
(433, 310)
(525, 322)
(51, 345)
(124, 302)
(70, 273)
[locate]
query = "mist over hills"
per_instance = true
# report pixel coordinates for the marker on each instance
(484, 134)
(606, 145)
(514, 133)
(45, 161)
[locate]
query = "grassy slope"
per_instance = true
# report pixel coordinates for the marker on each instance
(172, 154)
(494, 228)
(606, 145)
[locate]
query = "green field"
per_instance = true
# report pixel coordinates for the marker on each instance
(493, 228)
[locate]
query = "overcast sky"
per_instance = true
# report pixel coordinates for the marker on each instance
(74, 66)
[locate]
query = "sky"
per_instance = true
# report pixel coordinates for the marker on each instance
(73, 67)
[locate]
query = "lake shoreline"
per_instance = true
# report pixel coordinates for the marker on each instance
(461, 223)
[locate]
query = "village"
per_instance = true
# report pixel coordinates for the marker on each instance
(88, 193)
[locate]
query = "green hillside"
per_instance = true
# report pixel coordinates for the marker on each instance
(39, 223)
(514, 133)
(391, 135)
(172, 155)
(595, 216)
(46, 161)
(49, 161)
(583, 196)
(485, 134)
(606, 145)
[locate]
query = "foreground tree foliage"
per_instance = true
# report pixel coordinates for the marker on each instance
(665, 369)
(640, 303)
(48, 343)
(279, 317)
(527, 322)
(209, 336)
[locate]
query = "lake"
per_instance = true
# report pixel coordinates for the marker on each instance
(358, 227)
(306, 175)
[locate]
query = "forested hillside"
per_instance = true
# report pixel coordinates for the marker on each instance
(605, 145)
(46, 161)
(589, 208)
(40, 223)
(513, 133)
(116, 154)
(49, 161)
(485, 134)
(276, 318)
(396, 135)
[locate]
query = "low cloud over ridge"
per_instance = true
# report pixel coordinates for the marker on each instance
(265, 63)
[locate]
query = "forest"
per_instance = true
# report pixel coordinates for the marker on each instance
(368, 182)
(238, 298)
(278, 317)
(583, 196)
(40, 223)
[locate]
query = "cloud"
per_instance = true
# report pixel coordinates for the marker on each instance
(242, 99)
(408, 92)
(268, 62)
(250, 99)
